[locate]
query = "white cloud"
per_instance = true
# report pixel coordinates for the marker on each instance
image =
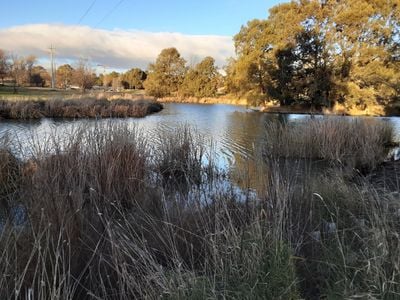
(118, 49)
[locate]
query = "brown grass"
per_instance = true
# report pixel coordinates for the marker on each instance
(99, 222)
(180, 156)
(78, 108)
(361, 144)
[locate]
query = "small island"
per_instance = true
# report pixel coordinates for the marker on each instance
(83, 107)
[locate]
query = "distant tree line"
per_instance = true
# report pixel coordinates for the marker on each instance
(314, 52)
(320, 52)
(22, 71)
(170, 76)
(167, 76)
(82, 76)
(131, 79)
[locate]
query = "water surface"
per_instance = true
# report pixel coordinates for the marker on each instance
(235, 130)
(236, 133)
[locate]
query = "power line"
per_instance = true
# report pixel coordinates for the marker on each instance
(110, 12)
(87, 11)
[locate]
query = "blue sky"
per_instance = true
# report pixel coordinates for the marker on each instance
(125, 33)
(222, 17)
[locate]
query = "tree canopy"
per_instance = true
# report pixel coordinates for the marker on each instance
(64, 75)
(201, 80)
(134, 78)
(166, 74)
(321, 52)
(4, 65)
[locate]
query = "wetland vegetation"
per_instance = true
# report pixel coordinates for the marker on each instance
(102, 214)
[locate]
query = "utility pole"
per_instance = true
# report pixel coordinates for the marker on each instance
(104, 74)
(53, 79)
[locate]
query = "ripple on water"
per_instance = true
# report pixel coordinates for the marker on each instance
(234, 130)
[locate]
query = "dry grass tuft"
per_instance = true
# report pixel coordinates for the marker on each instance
(361, 144)
(93, 218)
(78, 108)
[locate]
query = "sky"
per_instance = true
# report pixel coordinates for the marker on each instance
(122, 34)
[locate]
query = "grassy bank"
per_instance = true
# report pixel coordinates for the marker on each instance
(232, 100)
(34, 94)
(77, 108)
(38, 93)
(106, 215)
(337, 109)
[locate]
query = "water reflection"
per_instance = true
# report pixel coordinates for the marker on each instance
(237, 133)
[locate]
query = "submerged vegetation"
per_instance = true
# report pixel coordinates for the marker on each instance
(95, 216)
(77, 108)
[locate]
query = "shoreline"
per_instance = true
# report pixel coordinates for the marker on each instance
(207, 100)
(337, 110)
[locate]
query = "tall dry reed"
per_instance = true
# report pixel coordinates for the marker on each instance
(358, 143)
(77, 108)
(93, 218)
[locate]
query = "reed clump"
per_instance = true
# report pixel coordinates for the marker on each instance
(78, 108)
(181, 155)
(109, 215)
(361, 144)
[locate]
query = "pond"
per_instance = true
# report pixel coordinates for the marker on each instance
(235, 130)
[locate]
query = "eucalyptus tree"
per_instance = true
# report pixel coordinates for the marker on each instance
(4, 65)
(202, 80)
(166, 74)
(134, 78)
(64, 75)
(321, 51)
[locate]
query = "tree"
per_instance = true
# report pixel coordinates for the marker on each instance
(18, 71)
(166, 74)
(314, 69)
(109, 78)
(4, 65)
(302, 73)
(134, 78)
(39, 76)
(116, 83)
(202, 80)
(282, 76)
(321, 52)
(250, 69)
(64, 75)
(99, 80)
(83, 75)
(367, 43)
(30, 60)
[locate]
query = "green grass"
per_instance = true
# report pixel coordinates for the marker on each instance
(48, 93)
(35, 92)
